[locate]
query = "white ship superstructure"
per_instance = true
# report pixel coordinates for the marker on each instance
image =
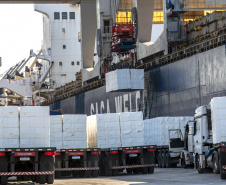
(61, 30)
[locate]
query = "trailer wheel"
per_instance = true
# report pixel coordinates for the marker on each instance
(151, 170)
(216, 168)
(168, 163)
(115, 172)
(163, 159)
(136, 170)
(160, 160)
(88, 173)
(58, 174)
(129, 170)
(95, 173)
(42, 179)
(4, 180)
(50, 179)
(223, 176)
(144, 170)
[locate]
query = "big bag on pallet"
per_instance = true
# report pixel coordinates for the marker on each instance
(9, 127)
(34, 126)
(74, 131)
(218, 116)
(103, 131)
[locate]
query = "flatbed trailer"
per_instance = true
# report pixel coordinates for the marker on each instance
(77, 162)
(35, 164)
(133, 159)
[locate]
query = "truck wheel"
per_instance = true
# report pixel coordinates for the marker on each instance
(168, 164)
(151, 170)
(50, 179)
(200, 170)
(223, 176)
(129, 170)
(163, 159)
(95, 173)
(136, 170)
(58, 174)
(4, 180)
(160, 160)
(144, 170)
(115, 172)
(216, 168)
(42, 179)
(183, 162)
(88, 173)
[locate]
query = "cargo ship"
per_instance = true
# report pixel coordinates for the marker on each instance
(184, 68)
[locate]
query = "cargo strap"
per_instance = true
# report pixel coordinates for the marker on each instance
(133, 166)
(26, 173)
(76, 169)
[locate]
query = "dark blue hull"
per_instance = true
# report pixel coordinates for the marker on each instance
(176, 89)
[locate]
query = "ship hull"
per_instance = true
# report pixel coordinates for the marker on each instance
(176, 89)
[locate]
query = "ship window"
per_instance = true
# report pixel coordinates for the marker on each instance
(60, 63)
(64, 46)
(72, 15)
(64, 15)
(78, 63)
(72, 63)
(56, 15)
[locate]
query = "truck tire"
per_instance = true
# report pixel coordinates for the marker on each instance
(144, 170)
(88, 173)
(94, 173)
(42, 179)
(50, 179)
(160, 160)
(200, 170)
(168, 162)
(136, 170)
(183, 162)
(129, 170)
(216, 167)
(223, 176)
(151, 170)
(163, 159)
(3, 168)
(115, 172)
(58, 174)
(4, 180)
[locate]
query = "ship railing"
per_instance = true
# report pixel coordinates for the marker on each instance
(190, 50)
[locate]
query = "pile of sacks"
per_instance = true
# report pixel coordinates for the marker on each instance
(115, 130)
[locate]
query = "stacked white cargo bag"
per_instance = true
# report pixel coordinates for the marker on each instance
(56, 131)
(218, 116)
(151, 131)
(118, 80)
(34, 126)
(74, 131)
(9, 127)
(137, 78)
(132, 129)
(103, 131)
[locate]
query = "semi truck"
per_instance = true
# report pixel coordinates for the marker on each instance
(167, 134)
(206, 139)
(27, 164)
